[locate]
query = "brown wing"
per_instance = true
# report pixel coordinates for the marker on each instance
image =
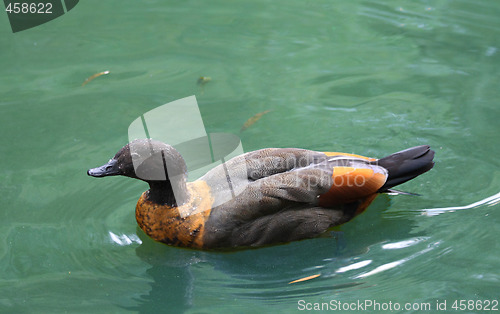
(288, 194)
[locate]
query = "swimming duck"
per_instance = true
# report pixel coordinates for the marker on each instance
(277, 195)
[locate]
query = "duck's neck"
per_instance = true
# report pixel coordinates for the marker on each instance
(169, 192)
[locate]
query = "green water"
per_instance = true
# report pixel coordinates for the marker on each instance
(369, 77)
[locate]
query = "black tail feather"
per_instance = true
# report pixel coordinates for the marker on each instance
(406, 165)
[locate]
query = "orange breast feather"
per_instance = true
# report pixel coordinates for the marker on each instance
(181, 226)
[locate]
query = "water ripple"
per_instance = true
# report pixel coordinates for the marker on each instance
(489, 201)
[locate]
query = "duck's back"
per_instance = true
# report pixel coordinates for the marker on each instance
(285, 195)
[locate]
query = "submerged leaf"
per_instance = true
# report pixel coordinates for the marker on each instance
(253, 119)
(204, 80)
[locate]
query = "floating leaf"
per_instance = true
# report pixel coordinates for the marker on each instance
(305, 278)
(90, 78)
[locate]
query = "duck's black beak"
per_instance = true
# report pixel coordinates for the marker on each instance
(108, 169)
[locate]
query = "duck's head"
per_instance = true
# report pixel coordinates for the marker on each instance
(149, 160)
(145, 159)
